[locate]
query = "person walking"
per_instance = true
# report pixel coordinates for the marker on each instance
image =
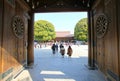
(61, 46)
(53, 48)
(69, 51)
(62, 51)
(56, 47)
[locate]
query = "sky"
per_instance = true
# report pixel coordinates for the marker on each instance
(62, 21)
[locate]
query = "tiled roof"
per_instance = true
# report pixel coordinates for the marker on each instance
(63, 34)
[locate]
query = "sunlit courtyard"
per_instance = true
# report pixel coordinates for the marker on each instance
(49, 67)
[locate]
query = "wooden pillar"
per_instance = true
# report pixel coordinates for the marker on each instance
(90, 41)
(93, 40)
(30, 56)
(118, 24)
(1, 25)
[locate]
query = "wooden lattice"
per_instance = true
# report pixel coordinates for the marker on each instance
(101, 25)
(18, 26)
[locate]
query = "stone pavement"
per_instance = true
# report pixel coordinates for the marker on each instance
(49, 67)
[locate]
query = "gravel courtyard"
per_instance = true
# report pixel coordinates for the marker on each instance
(49, 67)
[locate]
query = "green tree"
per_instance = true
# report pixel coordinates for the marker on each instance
(44, 31)
(81, 30)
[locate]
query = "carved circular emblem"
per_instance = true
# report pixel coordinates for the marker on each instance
(18, 26)
(101, 25)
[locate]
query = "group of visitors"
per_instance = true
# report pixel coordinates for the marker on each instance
(62, 50)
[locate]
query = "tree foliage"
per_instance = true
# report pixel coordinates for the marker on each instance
(81, 30)
(44, 31)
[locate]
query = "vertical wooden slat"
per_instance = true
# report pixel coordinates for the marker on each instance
(118, 26)
(1, 25)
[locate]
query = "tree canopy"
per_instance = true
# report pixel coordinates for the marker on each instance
(81, 30)
(44, 31)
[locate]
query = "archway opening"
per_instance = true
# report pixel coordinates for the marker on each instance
(71, 28)
(62, 21)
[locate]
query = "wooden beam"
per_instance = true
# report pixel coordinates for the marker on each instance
(59, 10)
